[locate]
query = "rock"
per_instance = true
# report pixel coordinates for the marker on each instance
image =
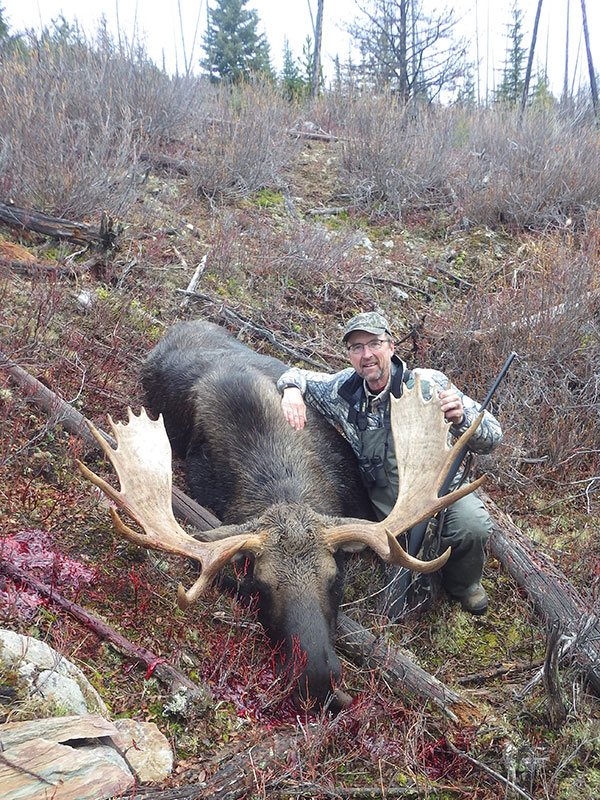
(39, 769)
(56, 729)
(145, 748)
(50, 675)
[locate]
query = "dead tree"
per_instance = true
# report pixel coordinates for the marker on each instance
(30, 220)
(588, 49)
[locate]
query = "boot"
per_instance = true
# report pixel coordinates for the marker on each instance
(474, 600)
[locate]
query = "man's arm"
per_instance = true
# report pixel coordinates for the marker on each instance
(317, 389)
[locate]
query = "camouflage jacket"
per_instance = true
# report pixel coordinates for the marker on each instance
(321, 391)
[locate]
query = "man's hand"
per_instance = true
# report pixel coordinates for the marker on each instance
(293, 407)
(452, 406)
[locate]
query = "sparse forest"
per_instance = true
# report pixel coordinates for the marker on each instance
(131, 200)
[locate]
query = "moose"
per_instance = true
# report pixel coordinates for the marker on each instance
(290, 501)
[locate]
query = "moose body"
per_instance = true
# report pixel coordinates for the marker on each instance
(222, 414)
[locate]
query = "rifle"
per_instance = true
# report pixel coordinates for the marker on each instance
(396, 593)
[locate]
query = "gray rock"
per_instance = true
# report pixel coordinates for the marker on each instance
(145, 748)
(49, 674)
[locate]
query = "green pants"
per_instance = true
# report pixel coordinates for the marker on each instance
(466, 528)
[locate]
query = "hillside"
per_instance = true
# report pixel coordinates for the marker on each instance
(283, 266)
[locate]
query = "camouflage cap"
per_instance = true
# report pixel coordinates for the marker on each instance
(369, 321)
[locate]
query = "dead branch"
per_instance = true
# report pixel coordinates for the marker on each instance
(497, 672)
(191, 287)
(401, 285)
(153, 663)
(555, 599)
(555, 703)
(31, 220)
(456, 278)
(245, 324)
(29, 267)
(327, 212)
(480, 765)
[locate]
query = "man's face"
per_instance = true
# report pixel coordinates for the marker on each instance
(371, 357)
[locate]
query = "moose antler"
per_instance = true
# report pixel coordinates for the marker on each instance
(142, 462)
(424, 458)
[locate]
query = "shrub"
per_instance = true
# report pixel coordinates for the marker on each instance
(536, 172)
(549, 401)
(488, 166)
(241, 143)
(74, 115)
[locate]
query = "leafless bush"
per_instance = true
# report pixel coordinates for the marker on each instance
(242, 143)
(549, 403)
(487, 165)
(397, 156)
(74, 115)
(532, 173)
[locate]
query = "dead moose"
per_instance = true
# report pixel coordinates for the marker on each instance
(290, 500)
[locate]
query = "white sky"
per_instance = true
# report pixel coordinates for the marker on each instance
(159, 23)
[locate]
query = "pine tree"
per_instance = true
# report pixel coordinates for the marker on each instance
(234, 48)
(8, 43)
(291, 81)
(511, 85)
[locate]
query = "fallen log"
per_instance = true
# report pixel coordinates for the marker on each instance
(154, 664)
(401, 672)
(31, 220)
(555, 599)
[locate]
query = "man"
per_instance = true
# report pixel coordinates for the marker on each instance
(357, 401)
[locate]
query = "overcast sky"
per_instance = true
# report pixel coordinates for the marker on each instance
(159, 24)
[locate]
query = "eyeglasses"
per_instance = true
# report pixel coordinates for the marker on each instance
(374, 346)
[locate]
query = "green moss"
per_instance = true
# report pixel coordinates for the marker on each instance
(267, 198)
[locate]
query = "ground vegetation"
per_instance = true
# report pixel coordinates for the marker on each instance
(475, 235)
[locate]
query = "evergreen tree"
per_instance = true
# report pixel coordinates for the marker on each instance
(466, 95)
(291, 80)
(8, 42)
(234, 48)
(306, 62)
(511, 85)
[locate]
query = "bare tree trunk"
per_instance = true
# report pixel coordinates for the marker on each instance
(404, 84)
(565, 91)
(530, 59)
(593, 85)
(316, 66)
(477, 53)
